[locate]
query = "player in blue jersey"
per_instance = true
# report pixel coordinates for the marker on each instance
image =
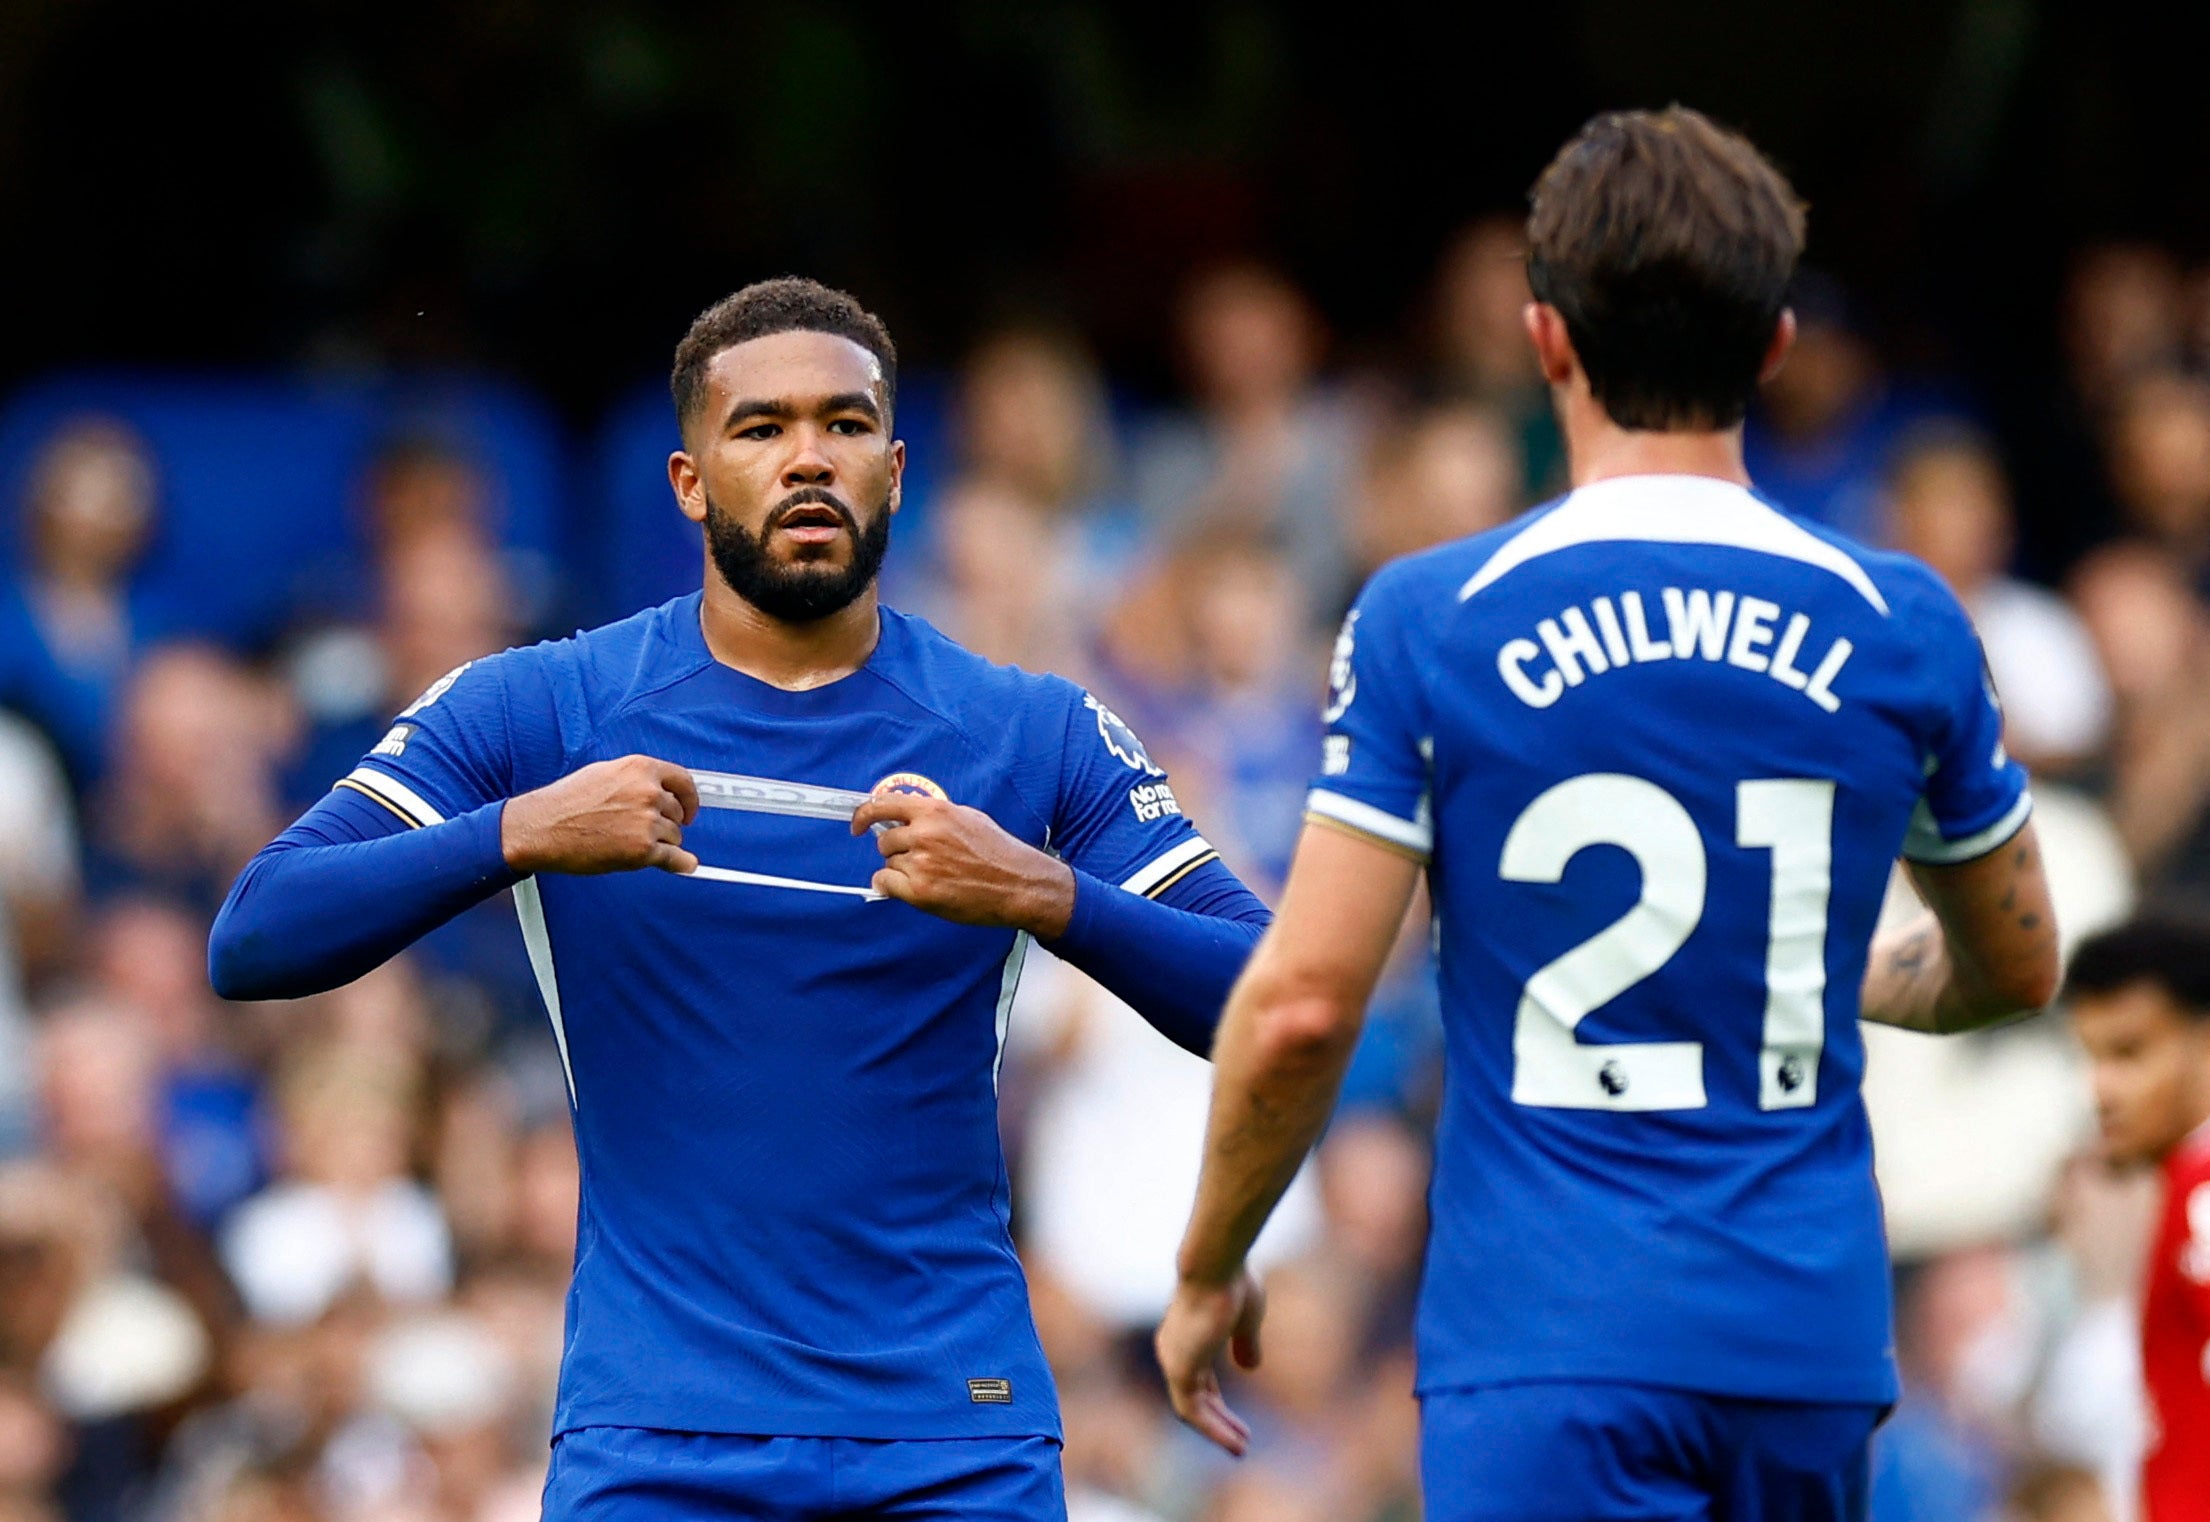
(795, 1295)
(1657, 747)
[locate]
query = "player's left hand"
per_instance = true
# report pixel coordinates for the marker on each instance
(958, 864)
(1204, 1321)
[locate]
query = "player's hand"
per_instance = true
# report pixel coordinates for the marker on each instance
(1204, 1321)
(610, 816)
(958, 864)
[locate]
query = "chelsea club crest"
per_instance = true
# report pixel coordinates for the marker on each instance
(909, 782)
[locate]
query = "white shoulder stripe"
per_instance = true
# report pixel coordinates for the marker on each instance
(394, 792)
(1167, 863)
(1670, 510)
(1412, 834)
(1923, 843)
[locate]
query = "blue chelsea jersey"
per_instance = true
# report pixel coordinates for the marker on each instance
(794, 1213)
(1660, 747)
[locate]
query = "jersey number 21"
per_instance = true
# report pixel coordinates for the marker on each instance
(1792, 818)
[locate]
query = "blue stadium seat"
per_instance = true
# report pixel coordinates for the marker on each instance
(260, 476)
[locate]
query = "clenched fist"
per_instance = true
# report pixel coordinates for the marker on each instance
(610, 816)
(956, 863)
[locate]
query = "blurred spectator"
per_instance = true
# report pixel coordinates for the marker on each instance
(1266, 447)
(442, 601)
(68, 634)
(345, 1214)
(192, 794)
(1029, 545)
(1949, 504)
(1109, 1168)
(151, 956)
(1250, 717)
(2160, 466)
(1942, 1456)
(2154, 635)
(1481, 353)
(1032, 419)
(2121, 320)
(107, 1345)
(38, 904)
(1819, 438)
(1447, 471)
(1008, 584)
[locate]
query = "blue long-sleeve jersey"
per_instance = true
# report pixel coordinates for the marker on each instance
(794, 1215)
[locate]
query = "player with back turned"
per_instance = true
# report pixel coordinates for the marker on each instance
(795, 1295)
(2140, 1001)
(1657, 748)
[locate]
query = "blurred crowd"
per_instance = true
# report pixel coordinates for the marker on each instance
(305, 1262)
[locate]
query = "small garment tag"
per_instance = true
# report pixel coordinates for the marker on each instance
(990, 1392)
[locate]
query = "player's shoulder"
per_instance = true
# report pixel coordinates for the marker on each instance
(935, 672)
(1908, 588)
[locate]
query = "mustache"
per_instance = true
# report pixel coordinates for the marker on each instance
(811, 496)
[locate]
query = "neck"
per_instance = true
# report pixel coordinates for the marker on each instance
(1598, 449)
(794, 657)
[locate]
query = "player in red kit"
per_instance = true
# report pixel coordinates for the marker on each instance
(2140, 997)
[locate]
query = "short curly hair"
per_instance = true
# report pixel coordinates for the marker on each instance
(791, 304)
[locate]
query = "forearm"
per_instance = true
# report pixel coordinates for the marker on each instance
(326, 901)
(1173, 964)
(1277, 1066)
(1913, 982)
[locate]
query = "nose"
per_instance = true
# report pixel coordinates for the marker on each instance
(808, 464)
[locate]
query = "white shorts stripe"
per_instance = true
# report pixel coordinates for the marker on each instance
(1167, 863)
(1413, 835)
(396, 793)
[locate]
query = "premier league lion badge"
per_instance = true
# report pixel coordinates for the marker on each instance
(1121, 740)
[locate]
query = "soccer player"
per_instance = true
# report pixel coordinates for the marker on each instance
(1656, 747)
(795, 1295)
(2140, 1001)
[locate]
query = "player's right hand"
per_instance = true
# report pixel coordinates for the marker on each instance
(1204, 1321)
(610, 816)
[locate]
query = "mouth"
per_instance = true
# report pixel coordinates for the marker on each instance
(812, 523)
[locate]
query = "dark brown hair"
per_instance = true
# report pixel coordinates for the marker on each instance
(788, 305)
(1666, 243)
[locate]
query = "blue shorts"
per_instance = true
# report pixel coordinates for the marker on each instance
(638, 1474)
(1635, 1453)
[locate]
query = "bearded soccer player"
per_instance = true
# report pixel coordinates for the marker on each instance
(1656, 747)
(777, 851)
(2140, 1001)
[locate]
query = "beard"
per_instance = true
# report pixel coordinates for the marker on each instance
(796, 592)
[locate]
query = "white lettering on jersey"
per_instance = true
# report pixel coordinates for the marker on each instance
(1152, 801)
(394, 742)
(1701, 623)
(1342, 677)
(1511, 664)
(2194, 1253)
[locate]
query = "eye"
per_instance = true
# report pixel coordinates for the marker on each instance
(759, 431)
(850, 427)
